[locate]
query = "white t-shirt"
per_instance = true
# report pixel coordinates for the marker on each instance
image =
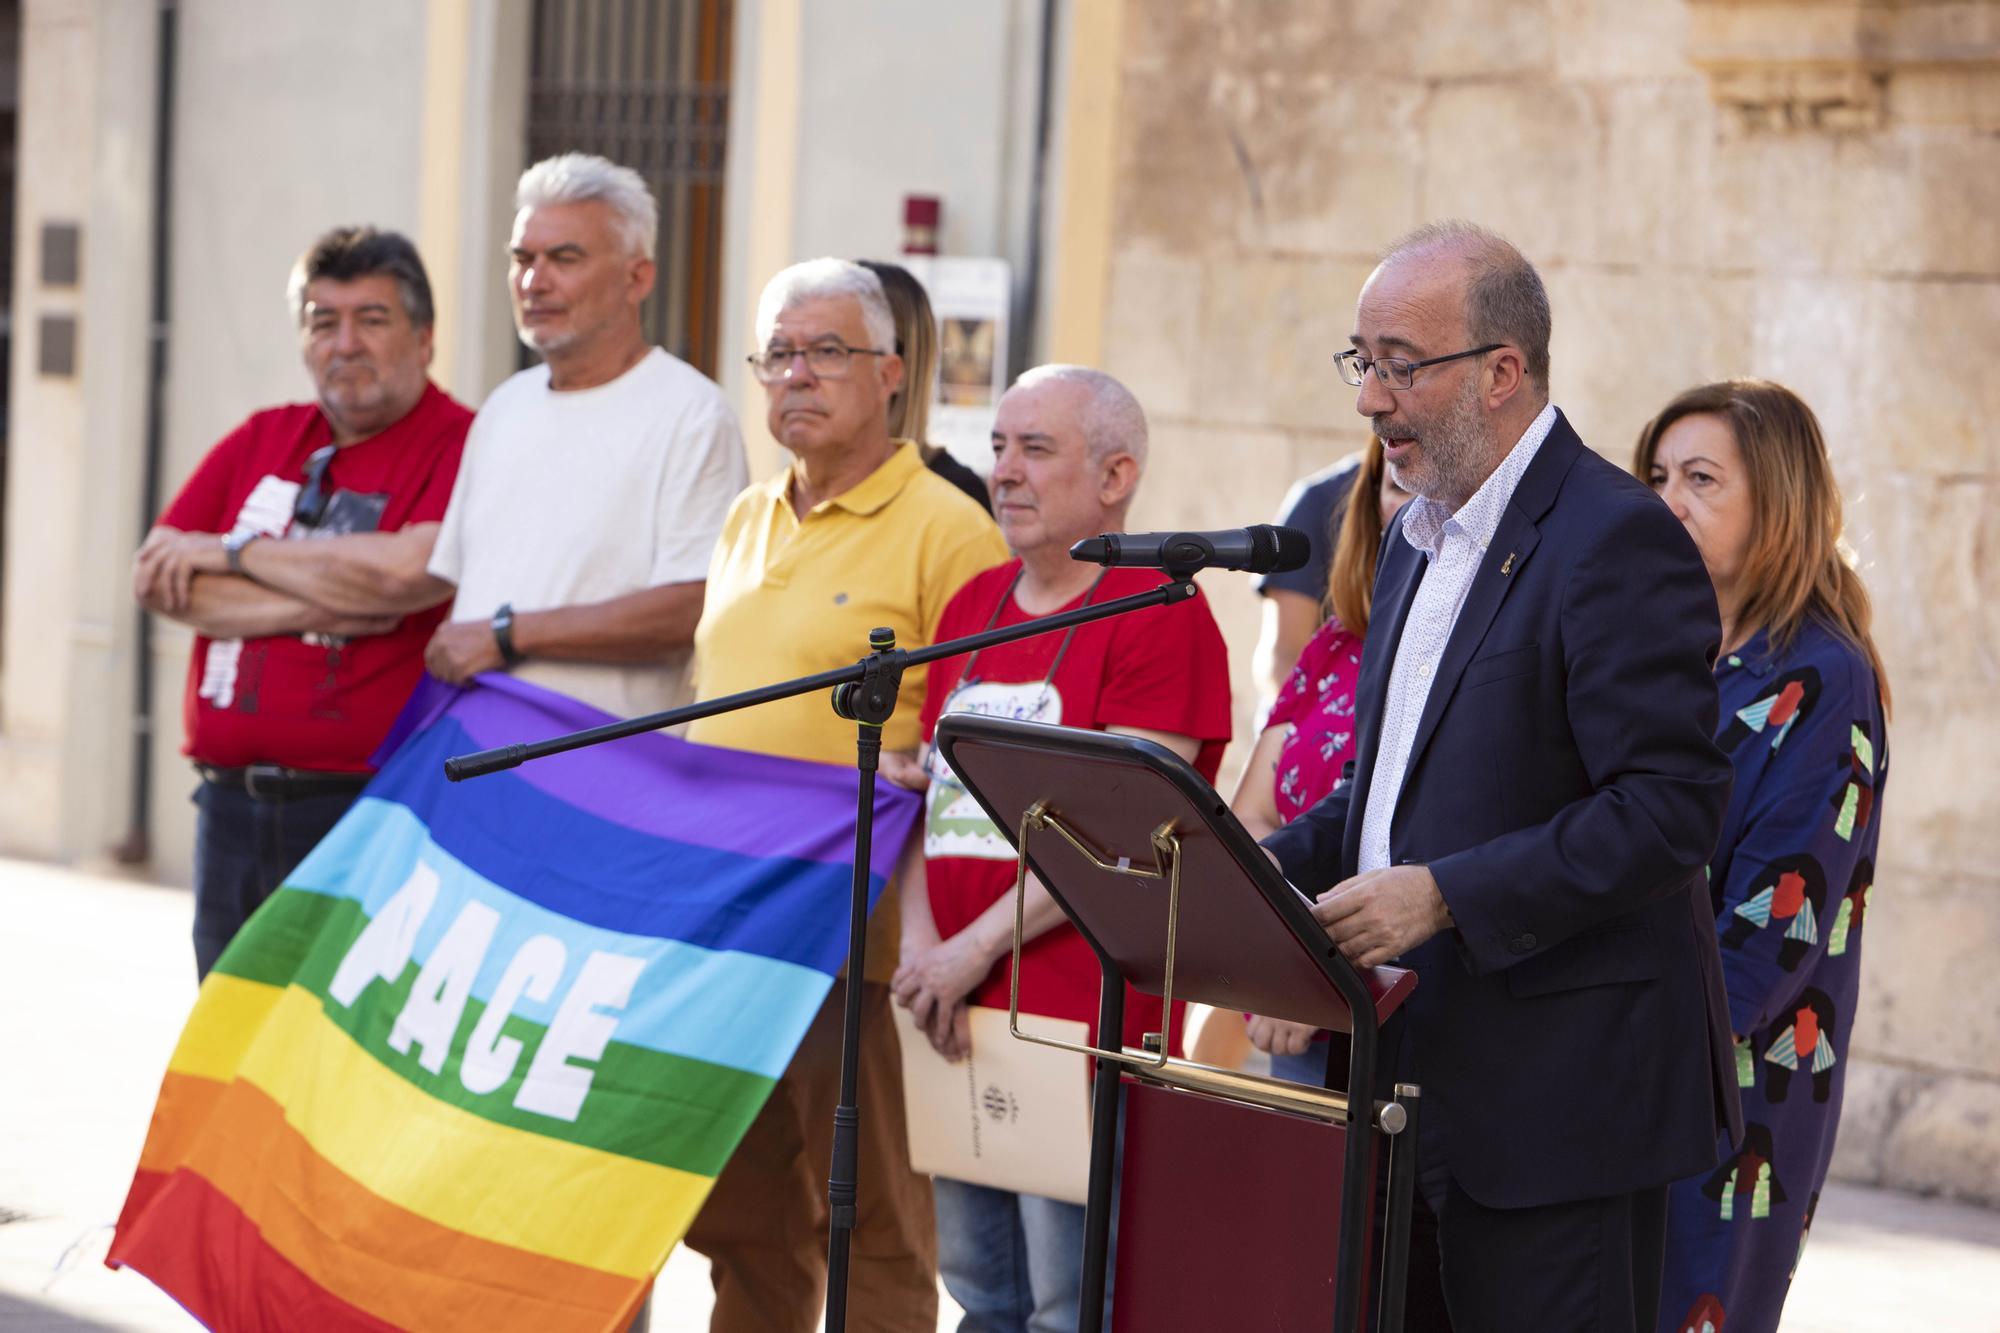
(584, 495)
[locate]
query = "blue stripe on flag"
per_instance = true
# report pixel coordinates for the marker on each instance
(572, 862)
(722, 1006)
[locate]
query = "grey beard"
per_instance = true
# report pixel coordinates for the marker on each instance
(554, 344)
(1462, 435)
(1453, 445)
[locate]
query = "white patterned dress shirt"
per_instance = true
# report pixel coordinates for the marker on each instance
(1455, 544)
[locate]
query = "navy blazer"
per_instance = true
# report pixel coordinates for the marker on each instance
(1570, 1033)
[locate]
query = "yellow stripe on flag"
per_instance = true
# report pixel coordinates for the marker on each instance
(229, 1013)
(435, 1159)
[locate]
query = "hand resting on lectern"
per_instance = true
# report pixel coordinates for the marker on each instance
(1379, 915)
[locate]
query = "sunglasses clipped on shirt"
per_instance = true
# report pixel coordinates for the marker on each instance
(310, 506)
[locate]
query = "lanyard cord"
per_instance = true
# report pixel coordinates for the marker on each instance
(966, 677)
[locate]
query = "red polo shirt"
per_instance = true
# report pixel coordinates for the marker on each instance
(309, 702)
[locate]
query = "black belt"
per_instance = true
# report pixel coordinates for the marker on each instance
(269, 782)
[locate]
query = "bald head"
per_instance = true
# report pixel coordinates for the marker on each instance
(1109, 416)
(1501, 295)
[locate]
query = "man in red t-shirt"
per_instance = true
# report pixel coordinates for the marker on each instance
(1069, 445)
(297, 554)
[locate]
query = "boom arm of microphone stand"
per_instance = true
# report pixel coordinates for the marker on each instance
(481, 762)
(1179, 588)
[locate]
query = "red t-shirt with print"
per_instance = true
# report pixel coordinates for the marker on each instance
(1164, 669)
(310, 702)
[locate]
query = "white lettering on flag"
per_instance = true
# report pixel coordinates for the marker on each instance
(431, 1015)
(489, 1057)
(555, 1087)
(383, 947)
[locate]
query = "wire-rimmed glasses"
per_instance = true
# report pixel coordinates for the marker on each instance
(827, 360)
(1394, 371)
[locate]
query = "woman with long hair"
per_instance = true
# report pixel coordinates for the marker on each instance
(917, 344)
(1743, 465)
(1309, 736)
(1310, 732)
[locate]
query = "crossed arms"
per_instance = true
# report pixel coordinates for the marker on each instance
(353, 585)
(366, 582)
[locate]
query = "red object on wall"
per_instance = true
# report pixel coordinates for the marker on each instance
(921, 219)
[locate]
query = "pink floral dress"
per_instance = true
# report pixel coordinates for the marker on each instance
(1316, 708)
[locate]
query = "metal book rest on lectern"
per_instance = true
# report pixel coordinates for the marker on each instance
(1243, 1202)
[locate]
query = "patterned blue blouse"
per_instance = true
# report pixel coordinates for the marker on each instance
(1790, 881)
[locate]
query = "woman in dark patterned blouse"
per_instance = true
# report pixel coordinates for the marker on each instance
(1804, 700)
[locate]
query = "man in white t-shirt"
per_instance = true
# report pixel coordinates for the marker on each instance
(595, 484)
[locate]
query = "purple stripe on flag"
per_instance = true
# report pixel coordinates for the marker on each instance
(647, 782)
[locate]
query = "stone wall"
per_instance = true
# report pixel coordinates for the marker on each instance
(1803, 191)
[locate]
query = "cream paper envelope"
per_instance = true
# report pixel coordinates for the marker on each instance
(1012, 1115)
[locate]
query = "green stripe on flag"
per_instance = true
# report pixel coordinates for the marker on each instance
(670, 1109)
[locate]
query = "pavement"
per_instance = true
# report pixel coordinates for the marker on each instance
(96, 977)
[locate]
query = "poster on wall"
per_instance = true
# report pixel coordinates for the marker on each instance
(970, 298)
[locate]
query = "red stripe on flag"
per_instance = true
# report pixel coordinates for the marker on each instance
(206, 1254)
(354, 1244)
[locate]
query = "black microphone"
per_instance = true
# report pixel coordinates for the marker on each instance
(1259, 550)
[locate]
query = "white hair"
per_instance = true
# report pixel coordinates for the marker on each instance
(1112, 420)
(575, 178)
(817, 279)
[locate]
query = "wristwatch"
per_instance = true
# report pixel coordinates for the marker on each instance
(233, 544)
(503, 634)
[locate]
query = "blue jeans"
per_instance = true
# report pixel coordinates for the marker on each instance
(1309, 1069)
(243, 849)
(1013, 1261)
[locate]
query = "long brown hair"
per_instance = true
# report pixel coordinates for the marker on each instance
(1350, 583)
(1798, 567)
(917, 344)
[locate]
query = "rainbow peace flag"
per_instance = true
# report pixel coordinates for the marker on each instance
(477, 1064)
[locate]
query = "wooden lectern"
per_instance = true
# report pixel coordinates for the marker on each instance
(1243, 1202)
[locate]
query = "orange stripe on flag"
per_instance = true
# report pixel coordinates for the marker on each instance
(466, 1173)
(179, 1118)
(383, 1259)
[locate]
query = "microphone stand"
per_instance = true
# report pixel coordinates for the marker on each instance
(865, 693)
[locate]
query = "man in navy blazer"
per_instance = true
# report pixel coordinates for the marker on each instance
(1534, 797)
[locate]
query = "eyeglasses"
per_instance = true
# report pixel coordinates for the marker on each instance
(310, 507)
(1393, 371)
(828, 360)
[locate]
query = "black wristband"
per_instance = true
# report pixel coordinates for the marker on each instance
(503, 634)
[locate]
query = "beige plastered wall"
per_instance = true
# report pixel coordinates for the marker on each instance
(839, 111)
(265, 159)
(1716, 188)
(72, 492)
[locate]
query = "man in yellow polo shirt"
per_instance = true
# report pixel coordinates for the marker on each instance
(856, 533)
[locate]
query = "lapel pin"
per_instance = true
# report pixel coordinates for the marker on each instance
(1507, 565)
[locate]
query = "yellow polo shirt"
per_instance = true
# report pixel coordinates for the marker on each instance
(790, 596)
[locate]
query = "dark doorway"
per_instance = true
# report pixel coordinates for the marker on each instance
(646, 83)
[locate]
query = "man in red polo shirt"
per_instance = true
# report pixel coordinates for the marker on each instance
(1069, 445)
(297, 554)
